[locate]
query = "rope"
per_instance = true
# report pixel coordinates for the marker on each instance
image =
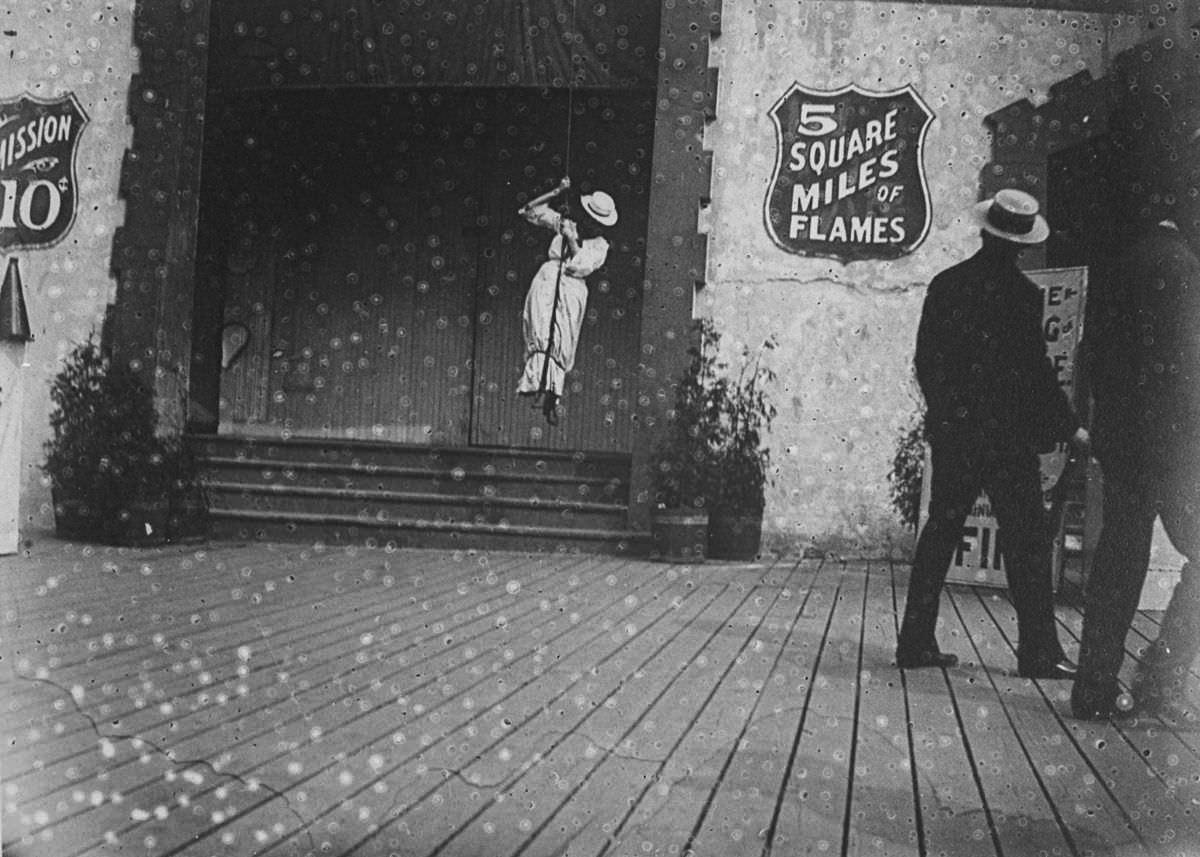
(562, 242)
(571, 87)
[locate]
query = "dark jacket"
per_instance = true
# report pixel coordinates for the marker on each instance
(982, 363)
(1142, 346)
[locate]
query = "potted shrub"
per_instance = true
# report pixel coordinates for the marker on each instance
(908, 469)
(742, 462)
(111, 475)
(682, 462)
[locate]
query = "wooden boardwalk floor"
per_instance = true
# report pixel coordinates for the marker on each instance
(291, 700)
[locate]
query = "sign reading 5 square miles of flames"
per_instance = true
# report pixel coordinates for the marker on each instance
(38, 193)
(849, 182)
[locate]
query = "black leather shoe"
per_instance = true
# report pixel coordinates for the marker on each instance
(1057, 669)
(925, 658)
(1091, 702)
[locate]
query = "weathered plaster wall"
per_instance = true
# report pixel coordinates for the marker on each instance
(47, 49)
(845, 390)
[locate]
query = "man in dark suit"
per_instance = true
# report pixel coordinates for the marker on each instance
(1142, 342)
(993, 401)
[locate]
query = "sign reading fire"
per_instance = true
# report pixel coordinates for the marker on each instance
(38, 191)
(849, 182)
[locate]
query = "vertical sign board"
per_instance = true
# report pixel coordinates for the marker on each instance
(38, 201)
(979, 559)
(38, 191)
(849, 178)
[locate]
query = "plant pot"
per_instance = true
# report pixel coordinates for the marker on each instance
(680, 535)
(74, 519)
(732, 536)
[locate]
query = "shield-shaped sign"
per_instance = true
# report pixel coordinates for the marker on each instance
(38, 191)
(849, 180)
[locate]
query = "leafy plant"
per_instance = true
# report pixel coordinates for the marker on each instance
(684, 460)
(713, 455)
(105, 452)
(742, 462)
(908, 469)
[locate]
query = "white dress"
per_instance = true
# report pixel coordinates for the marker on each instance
(567, 316)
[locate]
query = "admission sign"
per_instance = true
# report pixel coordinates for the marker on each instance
(38, 191)
(849, 178)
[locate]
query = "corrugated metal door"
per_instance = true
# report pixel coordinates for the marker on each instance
(360, 214)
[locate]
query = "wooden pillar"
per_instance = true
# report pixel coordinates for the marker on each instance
(149, 324)
(676, 252)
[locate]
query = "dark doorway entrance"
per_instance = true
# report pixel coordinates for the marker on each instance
(368, 239)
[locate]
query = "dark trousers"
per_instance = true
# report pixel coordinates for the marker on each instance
(1119, 570)
(1012, 481)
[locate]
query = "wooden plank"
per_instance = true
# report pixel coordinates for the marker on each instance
(162, 682)
(80, 768)
(883, 812)
(481, 691)
(489, 777)
(1022, 818)
(621, 708)
(952, 814)
(256, 693)
(706, 758)
(812, 807)
(271, 721)
(81, 578)
(1095, 809)
(286, 719)
(111, 633)
(622, 747)
(762, 751)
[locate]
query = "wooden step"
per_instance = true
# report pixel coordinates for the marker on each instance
(364, 455)
(250, 525)
(406, 478)
(424, 496)
(428, 505)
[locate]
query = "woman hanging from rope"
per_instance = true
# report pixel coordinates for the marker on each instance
(557, 299)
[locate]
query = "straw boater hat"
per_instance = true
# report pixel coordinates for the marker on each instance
(601, 207)
(1013, 216)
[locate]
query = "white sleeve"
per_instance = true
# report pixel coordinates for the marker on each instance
(591, 255)
(542, 215)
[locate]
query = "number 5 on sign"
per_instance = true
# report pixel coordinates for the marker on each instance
(816, 120)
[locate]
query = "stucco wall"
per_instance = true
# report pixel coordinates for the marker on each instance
(48, 49)
(845, 390)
